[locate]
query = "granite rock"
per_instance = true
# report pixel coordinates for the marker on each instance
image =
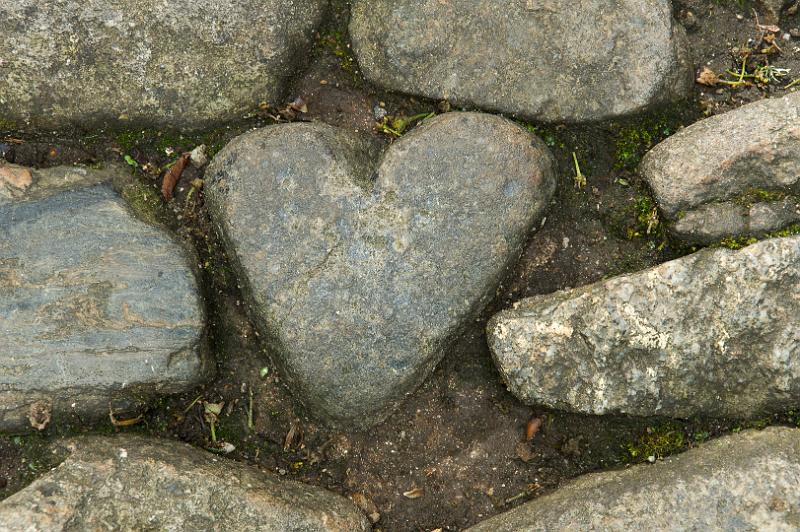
(745, 481)
(545, 60)
(735, 174)
(713, 333)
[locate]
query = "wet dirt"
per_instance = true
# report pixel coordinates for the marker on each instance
(456, 451)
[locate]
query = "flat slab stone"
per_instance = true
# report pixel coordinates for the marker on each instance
(137, 483)
(714, 333)
(362, 268)
(734, 174)
(544, 60)
(182, 64)
(746, 481)
(97, 308)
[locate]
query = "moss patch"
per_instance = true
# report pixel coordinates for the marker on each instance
(657, 442)
(632, 141)
(146, 203)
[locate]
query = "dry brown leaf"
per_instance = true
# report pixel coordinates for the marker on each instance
(16, 176)
(125, 422)
(40, 414)
(532, 428)
(708, 77)
(293, 437)
(173, 175)
(768, 27)
(299, 105)
(415, 493)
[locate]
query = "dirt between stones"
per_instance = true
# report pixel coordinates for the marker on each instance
(456, 451)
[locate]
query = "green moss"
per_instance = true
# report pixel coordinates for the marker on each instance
(159, 140)
(758, 195)
(789, 231)
(145, 203)
(733, 242)
(633, 141)
(547, 134)
(7, 125)
(739, 242)
(657, 442)
(335, 42)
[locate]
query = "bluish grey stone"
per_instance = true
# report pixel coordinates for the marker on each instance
(362, 268)
(98, 309)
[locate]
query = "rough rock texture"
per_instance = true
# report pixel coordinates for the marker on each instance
(96, 307)
(136, 483)
(714, 333)
(746, 481)
(733, 174)
(545, 60)
(363, 269)
(182, 64)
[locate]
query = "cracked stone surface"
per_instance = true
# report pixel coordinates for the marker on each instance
(138, 483)
(97, 308)
(544, 60)
(182, 64)
(363, 267)
(734, 174)
(745, 481)
(713, 333)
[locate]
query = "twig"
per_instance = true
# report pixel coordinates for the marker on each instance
(250, 424)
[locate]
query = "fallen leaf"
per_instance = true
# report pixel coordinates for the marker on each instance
(768, 27)
(707, 77)
(16, 176)
(40, 414)
(173, 175)
(532, 428)
(299, 105)
(293, 437)
(415, 493)
(124, 422)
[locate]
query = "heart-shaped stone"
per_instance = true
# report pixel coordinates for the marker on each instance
(361, 269)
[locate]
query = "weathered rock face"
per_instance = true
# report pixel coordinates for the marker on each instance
(136, 483)
(746, 481)
(97, 308)
(733, 174)
(363, 269)
(181, 64)
(545, 60)
(714, 333)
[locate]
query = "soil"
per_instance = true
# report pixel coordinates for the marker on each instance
(456, 451)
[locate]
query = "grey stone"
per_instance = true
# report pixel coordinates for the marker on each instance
(137, 483)
(98, 309)
(746, 481)
(714, 333)
(182, 64)
(363, 268)
(544, 60)
(733, 174)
